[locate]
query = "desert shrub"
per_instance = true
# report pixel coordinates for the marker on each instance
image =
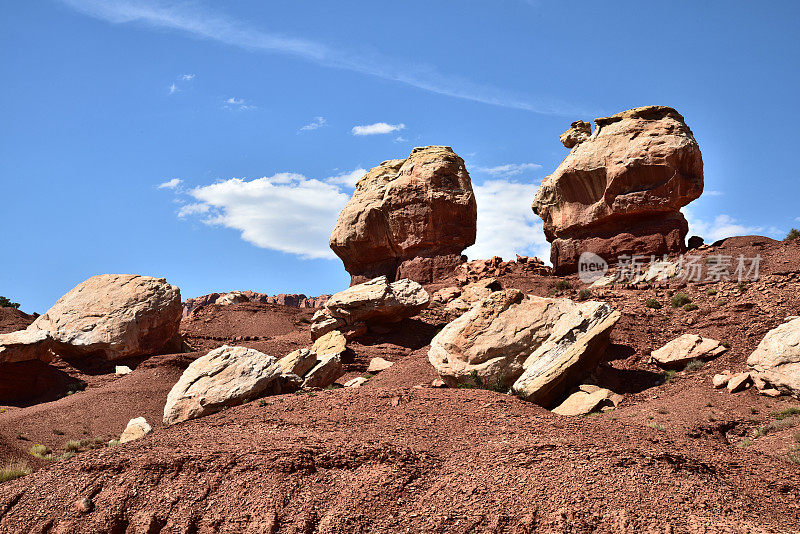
(6, 303)
(680, 299)
(113, 443)
(668, 376)
(691, 306)
(563, 285)
(711, 291)
(73, 446)
(746, 442)
(584, 294)
(694, 365)
(793, 234)
(656, 426)
(652, 303)
(788, 412)
(794, 455)
(473, 382)
(41, 451)
(13, 470)
(76, 387)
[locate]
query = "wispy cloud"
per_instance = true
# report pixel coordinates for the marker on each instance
(713, 193)
(509, 169)
(238, 103)
(348, 179)
(797, 219)
(187, 77)
(316, 124)
(170, 184)
(377, 128)
(173, 89)
(193, 209)
(723, 225)
(189, 18)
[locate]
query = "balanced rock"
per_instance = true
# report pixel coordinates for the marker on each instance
(680, 351)
(776, 360)
(137, 428)
(540, 347)
(619, 191)
(114, 316)
(408, 218)
(224, 377)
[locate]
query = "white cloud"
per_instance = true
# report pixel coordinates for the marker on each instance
(187, 77)
(173, 89)
(377, 128)
(797, 219)
(170, 184)
(238, 103)
(286, 212)
(400, 139)
(348, 179)
(721, 227)
(506, 223)
(189, 18)
(713, 193)
(317, 123)
(509, 169)
(193, 209)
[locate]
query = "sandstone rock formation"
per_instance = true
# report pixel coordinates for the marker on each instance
(298, 362)
(586, 400)
(24, 345)
(539, 347)
(295, 300)
(776, 361)
(234, 297)
(681, 350)
(408, 218)
(114, 316)
(619, 191)
(226, 376)
(325, 373)
(375, 301)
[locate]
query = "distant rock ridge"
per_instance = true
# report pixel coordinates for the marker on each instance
(620, 189)
(408, 218)
(284, 299)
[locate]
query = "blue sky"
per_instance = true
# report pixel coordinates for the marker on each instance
(213, 143)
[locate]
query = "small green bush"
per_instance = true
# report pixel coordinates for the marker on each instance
(6, 303)
(584, 294)
(563, 285)
(14, 470)
(793, 234)
(788, 412)
(746, 442)
(656, 426)
(668, 376)
(41, 451)
(652, 303)
(694, 365)
(680, 299)
(73, 446)
(711, 291)
(691, 307)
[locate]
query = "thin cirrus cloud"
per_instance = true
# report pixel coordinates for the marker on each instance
(175, 87)
(208, 25)
(723, 226)
(238, 103)
(316, 124)
(378, 128)
(509, 169)
(170, 184)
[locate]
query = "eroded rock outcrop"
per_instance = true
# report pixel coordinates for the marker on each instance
(539, 347)
(680, 351)
(620, 190)
(408, 218)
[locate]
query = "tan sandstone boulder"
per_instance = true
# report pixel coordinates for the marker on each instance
(224, 377)
(408, 218)
(114, 316)
(298, 362)
(776, 361)
(620, 190)
(539, 347)
(327, 370)
(584, 402)
(234, 297)
(137, 428)
(378, 301)
(24, 345)
(331, 343)
(680, 351)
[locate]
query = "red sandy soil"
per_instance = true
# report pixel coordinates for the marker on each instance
(398, 455)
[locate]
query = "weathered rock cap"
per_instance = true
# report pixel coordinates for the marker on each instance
(378, 301)
(408, 218)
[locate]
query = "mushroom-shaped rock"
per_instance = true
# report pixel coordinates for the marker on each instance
(776, 360)
(114, 316)
(620, 191)
(540, 347)
(408, 218)
(680, 351)
(226, 376)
